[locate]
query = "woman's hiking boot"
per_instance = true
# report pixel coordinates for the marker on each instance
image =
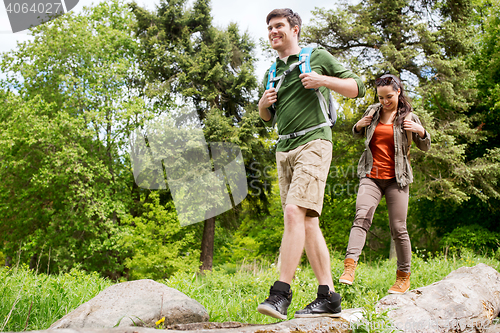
(327, 304)
(402, 284)
(349, 267)
(280, 297)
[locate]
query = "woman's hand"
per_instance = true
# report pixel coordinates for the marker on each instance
(363, 122)
(409, 125)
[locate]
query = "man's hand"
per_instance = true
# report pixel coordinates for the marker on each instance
(312, 80)
(268, 98)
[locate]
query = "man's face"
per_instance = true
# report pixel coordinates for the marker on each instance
(280, 34)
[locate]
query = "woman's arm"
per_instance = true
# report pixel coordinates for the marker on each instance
(421, 137)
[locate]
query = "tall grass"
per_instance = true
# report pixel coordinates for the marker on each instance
(230, 292)
(31, 301)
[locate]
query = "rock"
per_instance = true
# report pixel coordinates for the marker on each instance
(467, 300)
(493, 329)
(134, 303)
(310, 325)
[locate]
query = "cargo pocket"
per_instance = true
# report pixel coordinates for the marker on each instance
(311, 189)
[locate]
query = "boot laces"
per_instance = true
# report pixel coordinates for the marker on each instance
(349, 269)
(319, 300)
(400, 281)
(275, 299)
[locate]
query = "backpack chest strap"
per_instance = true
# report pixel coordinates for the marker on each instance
(280, 78)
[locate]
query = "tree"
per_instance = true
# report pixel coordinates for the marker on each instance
(428, 44)
(211, 70)
(69, 104)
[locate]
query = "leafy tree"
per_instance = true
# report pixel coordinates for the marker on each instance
(159, 246)
(69, 103)
(426, 43)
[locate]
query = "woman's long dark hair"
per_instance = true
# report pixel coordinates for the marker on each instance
(404, 106)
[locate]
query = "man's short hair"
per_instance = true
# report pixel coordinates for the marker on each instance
(293, 18)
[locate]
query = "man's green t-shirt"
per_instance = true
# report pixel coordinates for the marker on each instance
(298, 108)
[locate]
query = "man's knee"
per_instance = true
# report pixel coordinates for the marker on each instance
(294, 215)
(312, 224)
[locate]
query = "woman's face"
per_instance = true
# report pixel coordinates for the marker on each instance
(388, 97)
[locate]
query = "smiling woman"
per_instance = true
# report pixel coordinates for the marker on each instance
(384, 169)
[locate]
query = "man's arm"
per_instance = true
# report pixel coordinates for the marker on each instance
(347, 87)
(327, 71)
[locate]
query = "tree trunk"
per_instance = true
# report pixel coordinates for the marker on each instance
(207, 245)
(33, 262)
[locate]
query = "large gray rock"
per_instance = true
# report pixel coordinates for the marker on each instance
(309, 325)
(467, 300)
(134, 303)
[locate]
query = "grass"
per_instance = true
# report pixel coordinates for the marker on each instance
(231, 295)
(31, 301)
(229, 292)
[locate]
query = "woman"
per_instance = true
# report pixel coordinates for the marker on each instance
(384, 169)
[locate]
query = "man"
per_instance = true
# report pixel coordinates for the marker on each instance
(303, 160)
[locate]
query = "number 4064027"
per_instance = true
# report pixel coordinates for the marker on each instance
(42, 8)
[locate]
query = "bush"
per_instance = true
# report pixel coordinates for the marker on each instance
(157, 243)
(473, 237)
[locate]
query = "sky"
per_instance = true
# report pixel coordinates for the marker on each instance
(250, 16)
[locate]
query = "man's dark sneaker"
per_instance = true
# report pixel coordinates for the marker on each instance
(327, 304)
(280, 297)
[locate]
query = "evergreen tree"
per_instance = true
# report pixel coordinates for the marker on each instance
(429, 44)
(211, 70)
(426, 43)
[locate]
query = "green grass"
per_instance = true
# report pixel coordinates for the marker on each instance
(229, 293)
(49, 297)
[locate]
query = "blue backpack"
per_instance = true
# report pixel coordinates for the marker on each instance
(329, 109)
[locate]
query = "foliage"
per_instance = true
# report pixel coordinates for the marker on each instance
(157, 244)
(211, 71)
(446, 54)
(229, 293)
(473, 237)
(486, 63)
(233, 293)
(259, 236)
(427, 44)
(68, 108)
(33, 301)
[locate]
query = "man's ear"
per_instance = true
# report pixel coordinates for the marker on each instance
(296, 29)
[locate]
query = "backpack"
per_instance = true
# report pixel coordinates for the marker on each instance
(329, 109)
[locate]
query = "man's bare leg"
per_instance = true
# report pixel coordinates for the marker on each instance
(292, 244)
(317, 252)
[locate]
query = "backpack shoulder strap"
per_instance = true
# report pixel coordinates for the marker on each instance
(373, 109)
(305, 55)
(271, 76)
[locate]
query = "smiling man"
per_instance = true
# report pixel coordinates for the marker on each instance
(303, 156)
